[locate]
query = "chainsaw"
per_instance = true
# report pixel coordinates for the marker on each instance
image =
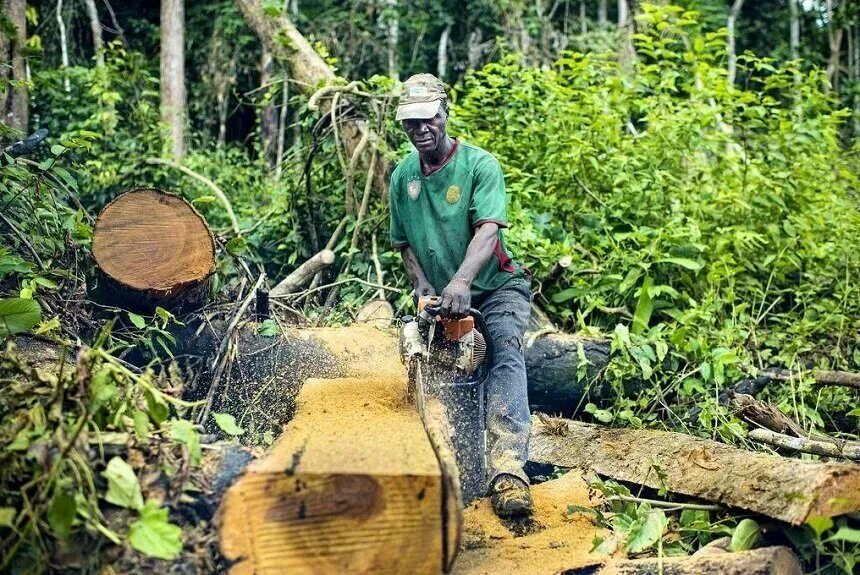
(447, 360)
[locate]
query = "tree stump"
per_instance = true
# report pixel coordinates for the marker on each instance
(152, 249)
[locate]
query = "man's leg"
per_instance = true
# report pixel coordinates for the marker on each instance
(506, 313)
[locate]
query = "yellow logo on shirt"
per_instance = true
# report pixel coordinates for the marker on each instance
(453, 195)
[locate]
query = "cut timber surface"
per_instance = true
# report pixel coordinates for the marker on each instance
(791, 490)
(352, 486)
(152, 248)
(764, 561)
(552, 542)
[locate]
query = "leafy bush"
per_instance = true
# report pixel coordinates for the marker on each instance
(711, 229)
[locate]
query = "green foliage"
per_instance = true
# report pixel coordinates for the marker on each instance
(17, 315)
(712, 229)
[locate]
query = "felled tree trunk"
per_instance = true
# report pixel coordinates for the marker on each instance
(764, 561)
(152, 249)
(353, 486)
(681, 463)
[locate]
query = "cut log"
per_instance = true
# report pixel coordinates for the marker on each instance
(352, 486)
(764, 561)
(552, 363)
(787, 489)
(303, 274)
(152, 249)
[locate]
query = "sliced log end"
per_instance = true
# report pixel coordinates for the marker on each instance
(353, 486)
(153, 245)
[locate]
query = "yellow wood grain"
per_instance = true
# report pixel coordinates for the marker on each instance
(352, 486)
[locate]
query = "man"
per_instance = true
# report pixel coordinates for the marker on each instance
(447, 211)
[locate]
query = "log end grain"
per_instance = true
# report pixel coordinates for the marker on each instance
(153, 244)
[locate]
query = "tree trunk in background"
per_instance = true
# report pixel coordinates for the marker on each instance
(14, 104)
(602, 19)
(64, 48)
(794, 29)
(731, 22)
(583, 21)
(307, 69)
(173, 96)
(392, 27)
(625, 27)
(442, 55)
(834, 37)
(476, 50)
(268, 113)
(96, 27)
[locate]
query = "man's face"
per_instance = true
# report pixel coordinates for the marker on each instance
(427, 135)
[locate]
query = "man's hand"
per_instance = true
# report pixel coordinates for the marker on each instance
(456, 298)
(423, 289)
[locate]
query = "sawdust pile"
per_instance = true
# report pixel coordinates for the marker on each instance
(363, 350)
(340, 425)
(550, 543)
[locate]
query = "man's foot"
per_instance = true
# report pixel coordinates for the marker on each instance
(510, 497)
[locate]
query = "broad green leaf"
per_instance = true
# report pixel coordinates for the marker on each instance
(644, 308)
(123, 486)
(686, 263)
(268, 328)
(18, 314)
(854, 412)
(152, 534)
(237, 245)
(819, 524)
(846, 533)
(137, 320)
(62, 513)
(746, 535)
(158, 409)
(183, 431)
(646, 531)
(7, 516)
(227, 423)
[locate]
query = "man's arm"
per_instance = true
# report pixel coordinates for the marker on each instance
(457, 295)
(416, 273)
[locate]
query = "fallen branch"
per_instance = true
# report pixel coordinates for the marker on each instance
(667, 504)
(222, 197)
(303, 274)
(821, 376)
(764, 561)
(703, 469)
(832, 448)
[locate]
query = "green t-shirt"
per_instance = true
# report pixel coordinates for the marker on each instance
(436, 214)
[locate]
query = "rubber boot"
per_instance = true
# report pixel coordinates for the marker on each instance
(510, 497)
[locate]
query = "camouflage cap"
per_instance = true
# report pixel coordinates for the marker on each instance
(421, 97)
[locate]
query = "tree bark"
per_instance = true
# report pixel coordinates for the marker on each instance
(625, 28)
(764, 561)
(834, 38)
(731, 55)
(268, 114)
(392, 37)
(64, 47)
(583, 20)
(307, 69)
(96, 28)
(794, 29)
(173, 95)
(303, 274)
(152, 249)
(702, 468)
(14, 101)
(442, 53)
(602, 17)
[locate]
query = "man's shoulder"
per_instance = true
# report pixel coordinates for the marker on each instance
(405, 167)
(478, 157)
